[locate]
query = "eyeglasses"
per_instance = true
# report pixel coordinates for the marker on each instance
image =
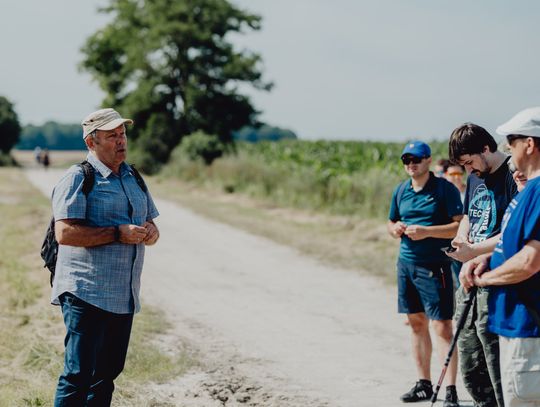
(455, 174)
(406, 160)
(511, 137)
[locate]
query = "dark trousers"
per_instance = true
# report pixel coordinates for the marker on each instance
(96, 345)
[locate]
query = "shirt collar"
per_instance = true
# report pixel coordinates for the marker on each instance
(429, 184)
(102, 168)
(431, 181)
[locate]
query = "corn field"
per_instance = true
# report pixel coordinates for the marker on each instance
(346, 177)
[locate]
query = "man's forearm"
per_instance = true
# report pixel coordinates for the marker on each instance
(521, 266)
(447, 231)
(84, 236)
(463, 229)
(487, 246)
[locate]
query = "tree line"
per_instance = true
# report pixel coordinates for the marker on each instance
(59, 136)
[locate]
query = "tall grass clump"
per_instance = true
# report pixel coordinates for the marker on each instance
(6, 160)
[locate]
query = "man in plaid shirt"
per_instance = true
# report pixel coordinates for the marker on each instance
(102, 238)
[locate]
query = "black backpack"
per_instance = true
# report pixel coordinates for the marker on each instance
(49, 248)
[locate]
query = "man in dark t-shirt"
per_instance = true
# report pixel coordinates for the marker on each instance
(490, 188)
(513, 270)
(424, 214)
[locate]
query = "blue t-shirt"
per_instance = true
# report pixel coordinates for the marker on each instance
(435, 204)
(508, 315)
(486, 199)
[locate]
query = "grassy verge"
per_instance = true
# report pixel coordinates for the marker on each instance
(362, 192)
(31, 334)
(349, 241)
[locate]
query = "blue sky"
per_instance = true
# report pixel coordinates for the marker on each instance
(343, 69)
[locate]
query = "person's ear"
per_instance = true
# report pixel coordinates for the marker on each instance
(89, 141)
(530, 146)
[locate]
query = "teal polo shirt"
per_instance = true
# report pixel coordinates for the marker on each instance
(435, 204)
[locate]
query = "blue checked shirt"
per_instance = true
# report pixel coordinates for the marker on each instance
(107, 276)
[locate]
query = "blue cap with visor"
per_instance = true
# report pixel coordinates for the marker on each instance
(417, 148)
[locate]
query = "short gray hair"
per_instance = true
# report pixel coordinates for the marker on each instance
(93, 135)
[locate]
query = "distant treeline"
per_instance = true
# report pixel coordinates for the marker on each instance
(58, 136)
(52, 135)
(263, 133)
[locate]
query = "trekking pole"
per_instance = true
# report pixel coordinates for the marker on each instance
(461, 322)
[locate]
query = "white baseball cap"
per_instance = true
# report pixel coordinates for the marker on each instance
(104, 119)
(525, 123)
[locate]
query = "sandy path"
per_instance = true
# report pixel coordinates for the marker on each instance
(315, 334)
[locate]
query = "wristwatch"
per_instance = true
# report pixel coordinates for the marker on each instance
(117, 233)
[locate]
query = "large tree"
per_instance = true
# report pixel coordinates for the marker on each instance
(10, 129)
(170, 65)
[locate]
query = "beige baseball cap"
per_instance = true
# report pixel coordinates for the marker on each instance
(103, 119)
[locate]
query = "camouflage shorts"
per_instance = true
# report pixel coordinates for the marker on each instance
(479, 352)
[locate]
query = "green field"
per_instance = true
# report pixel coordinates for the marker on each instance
(339, 177)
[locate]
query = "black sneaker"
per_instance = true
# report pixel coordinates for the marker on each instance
(451, 399)
(421, 391)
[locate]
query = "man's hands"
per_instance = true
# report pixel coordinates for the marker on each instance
(152, 233)
(471, 272)
(413, 232)
(132, 234)
(464, 250)
(416, 232)
(397, 229)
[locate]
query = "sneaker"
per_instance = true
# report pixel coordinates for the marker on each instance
(451, 399)
(421, 391)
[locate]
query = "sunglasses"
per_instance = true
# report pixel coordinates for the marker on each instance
(411, 159)
(455, 173)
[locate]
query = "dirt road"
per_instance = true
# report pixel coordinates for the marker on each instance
(273, 327)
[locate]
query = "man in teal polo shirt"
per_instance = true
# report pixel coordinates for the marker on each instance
(425, 212)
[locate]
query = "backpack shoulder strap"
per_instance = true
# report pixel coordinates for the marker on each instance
(400, 191)
(89, 177)
(138, 178)
(441, 191)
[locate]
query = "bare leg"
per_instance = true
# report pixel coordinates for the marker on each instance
(443, 332)
(421, 344)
